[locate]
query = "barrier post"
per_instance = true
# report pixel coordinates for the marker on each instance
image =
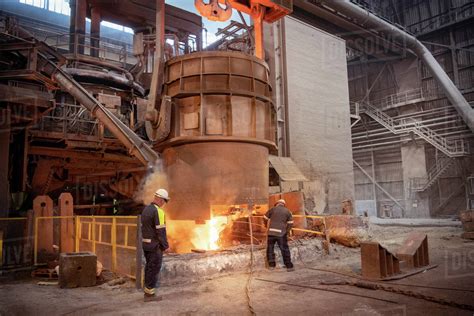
(30, 226)
(78, 232)
(114, 244)
(36, 241)
(93, 234)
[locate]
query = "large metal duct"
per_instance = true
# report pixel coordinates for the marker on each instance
(105, 77)
(369, 20)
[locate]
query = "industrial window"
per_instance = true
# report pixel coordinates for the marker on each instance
(58, 6)
(62, 7)
(117, 27)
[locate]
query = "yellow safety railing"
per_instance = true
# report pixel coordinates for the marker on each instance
(321, 233)
(13, 218)
(91, 232)
(95, 228)
(323, 218)
(113, 237)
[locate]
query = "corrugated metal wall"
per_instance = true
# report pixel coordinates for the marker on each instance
(447, 24)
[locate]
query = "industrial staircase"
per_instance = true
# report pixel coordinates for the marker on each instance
(450, 147)
(440, 167)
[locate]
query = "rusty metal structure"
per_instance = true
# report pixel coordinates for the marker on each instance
(83, 121)
(410, 84)
(110, 109)
(222, 131)
(377, 262)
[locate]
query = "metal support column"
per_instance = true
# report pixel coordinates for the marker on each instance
(5, 130)
(95, 31)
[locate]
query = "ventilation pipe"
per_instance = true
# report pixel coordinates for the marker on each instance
(370, 20)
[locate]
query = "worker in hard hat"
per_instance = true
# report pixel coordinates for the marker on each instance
(279, 224)
(154, 241)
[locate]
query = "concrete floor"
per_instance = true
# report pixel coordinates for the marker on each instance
(225, 294)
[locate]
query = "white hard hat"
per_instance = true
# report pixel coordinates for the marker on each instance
(162, 193)
(281, 201)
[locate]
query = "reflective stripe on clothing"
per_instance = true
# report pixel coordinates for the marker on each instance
(160, 226)
(149, 291)
(146, 240)
(161, 216)
(280, 220)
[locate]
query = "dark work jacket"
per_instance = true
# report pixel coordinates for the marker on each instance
(153, 232)
(280, 219)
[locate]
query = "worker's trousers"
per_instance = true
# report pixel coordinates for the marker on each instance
(282, 242)
(152, 268)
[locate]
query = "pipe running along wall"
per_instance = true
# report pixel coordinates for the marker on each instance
(370, 20)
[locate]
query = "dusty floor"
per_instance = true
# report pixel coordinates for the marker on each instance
(225, 294)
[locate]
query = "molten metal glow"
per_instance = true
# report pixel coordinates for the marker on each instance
(206, 237)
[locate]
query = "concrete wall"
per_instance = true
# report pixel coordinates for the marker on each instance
(414, 166)
(318, 114)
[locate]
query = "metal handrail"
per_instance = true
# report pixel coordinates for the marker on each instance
(447, 17)
(106, 49)
(399, 98)
(421, 183)
(91, 223)
(449, 147)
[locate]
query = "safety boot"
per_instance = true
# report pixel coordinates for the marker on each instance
(151, 298)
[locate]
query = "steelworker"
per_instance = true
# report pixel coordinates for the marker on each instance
(154, 242)
(279, 224)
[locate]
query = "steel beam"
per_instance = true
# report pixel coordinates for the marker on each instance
(372, 21)
(83, 155)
